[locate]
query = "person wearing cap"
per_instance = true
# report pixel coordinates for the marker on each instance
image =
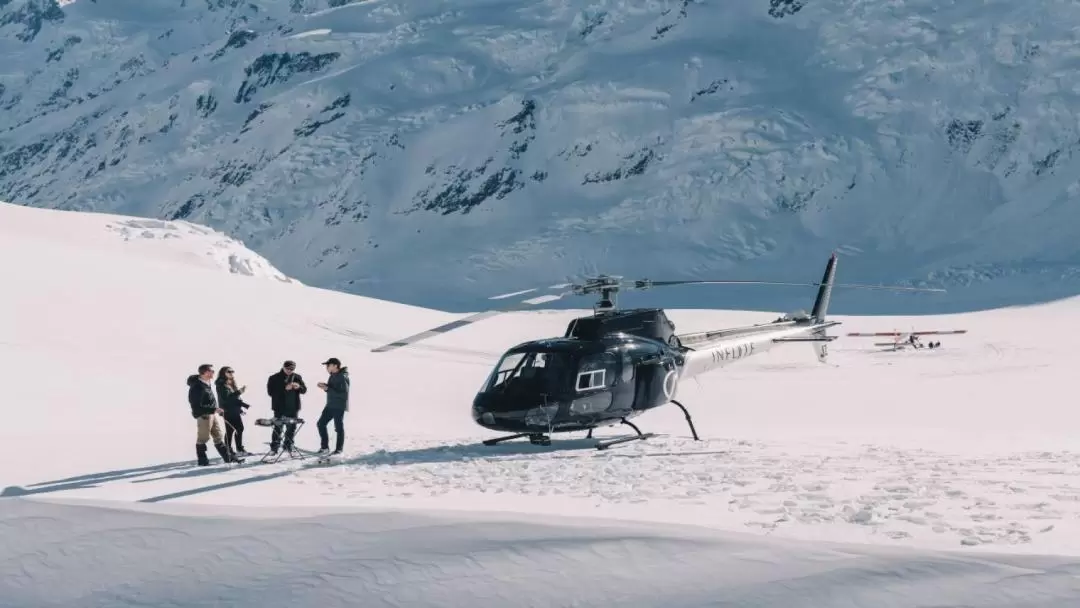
(284, 389)
(205, 410)
(337, 403)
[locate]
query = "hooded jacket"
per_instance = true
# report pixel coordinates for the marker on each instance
(337, 390)
(200, 397)
(229, 398)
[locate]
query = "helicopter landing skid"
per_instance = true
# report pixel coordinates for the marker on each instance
(603, 445)
(534, 438)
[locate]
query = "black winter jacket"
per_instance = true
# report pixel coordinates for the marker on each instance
(337, 390)
(283, 402)
(230, 398)
(200, 397)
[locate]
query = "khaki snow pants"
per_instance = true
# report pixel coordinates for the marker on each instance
(210, 425)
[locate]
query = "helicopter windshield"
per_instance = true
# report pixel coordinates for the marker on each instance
(544, 371)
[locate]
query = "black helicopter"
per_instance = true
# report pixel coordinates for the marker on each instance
(616, 364)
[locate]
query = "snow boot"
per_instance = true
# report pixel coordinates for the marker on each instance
(226, 454)
(200, 452)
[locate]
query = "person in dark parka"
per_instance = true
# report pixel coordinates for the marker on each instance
(205, 410)
(228, 394)
(285, 388)
(337, 403)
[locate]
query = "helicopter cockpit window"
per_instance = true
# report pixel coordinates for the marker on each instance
(540, 370)
(597, 371)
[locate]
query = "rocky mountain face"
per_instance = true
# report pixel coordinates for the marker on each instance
(440, 152)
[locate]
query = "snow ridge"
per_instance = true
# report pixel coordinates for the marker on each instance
(173, 242)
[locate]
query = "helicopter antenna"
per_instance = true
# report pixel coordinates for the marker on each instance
(607, 286)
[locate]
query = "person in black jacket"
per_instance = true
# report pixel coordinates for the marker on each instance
(285, 388)
(228, 395)
(205, 410)
(337, 403)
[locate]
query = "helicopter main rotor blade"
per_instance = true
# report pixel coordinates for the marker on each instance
(525, 291)
(646, 284)
(473, 318)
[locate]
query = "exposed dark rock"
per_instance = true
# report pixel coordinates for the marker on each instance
(326, 116)
(190, 206)
(661, 30)
(713, 87)
(467, 188)
(782, 8)
(272, 68)
(1047, 163)
(236, 40)
(578, 151)
(255, 114)
(235, 172)
(58, 53)
(591, 23)
(205, 105)
(524, 122)
(635, 165)
(963, 133)
(795, 202)
(32, 15)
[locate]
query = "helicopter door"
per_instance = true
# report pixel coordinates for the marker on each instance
(650, 374)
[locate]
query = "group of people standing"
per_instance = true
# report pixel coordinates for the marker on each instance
(218, 408)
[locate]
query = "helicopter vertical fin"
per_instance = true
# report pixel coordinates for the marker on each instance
(821, 306)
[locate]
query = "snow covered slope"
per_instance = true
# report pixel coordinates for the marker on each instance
(438, 152)
(951, 471)
(193, 556)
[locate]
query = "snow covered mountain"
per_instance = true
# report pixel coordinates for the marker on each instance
(439, 152)
(894, 479)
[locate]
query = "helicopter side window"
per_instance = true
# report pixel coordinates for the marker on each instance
(597, 371)
(588, 380)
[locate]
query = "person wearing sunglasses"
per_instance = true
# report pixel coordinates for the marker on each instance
(228, 394)
(205, 410)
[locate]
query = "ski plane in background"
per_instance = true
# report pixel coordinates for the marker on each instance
(905, 340)
(617, 364)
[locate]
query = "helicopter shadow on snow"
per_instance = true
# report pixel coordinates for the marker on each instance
(518, 451)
